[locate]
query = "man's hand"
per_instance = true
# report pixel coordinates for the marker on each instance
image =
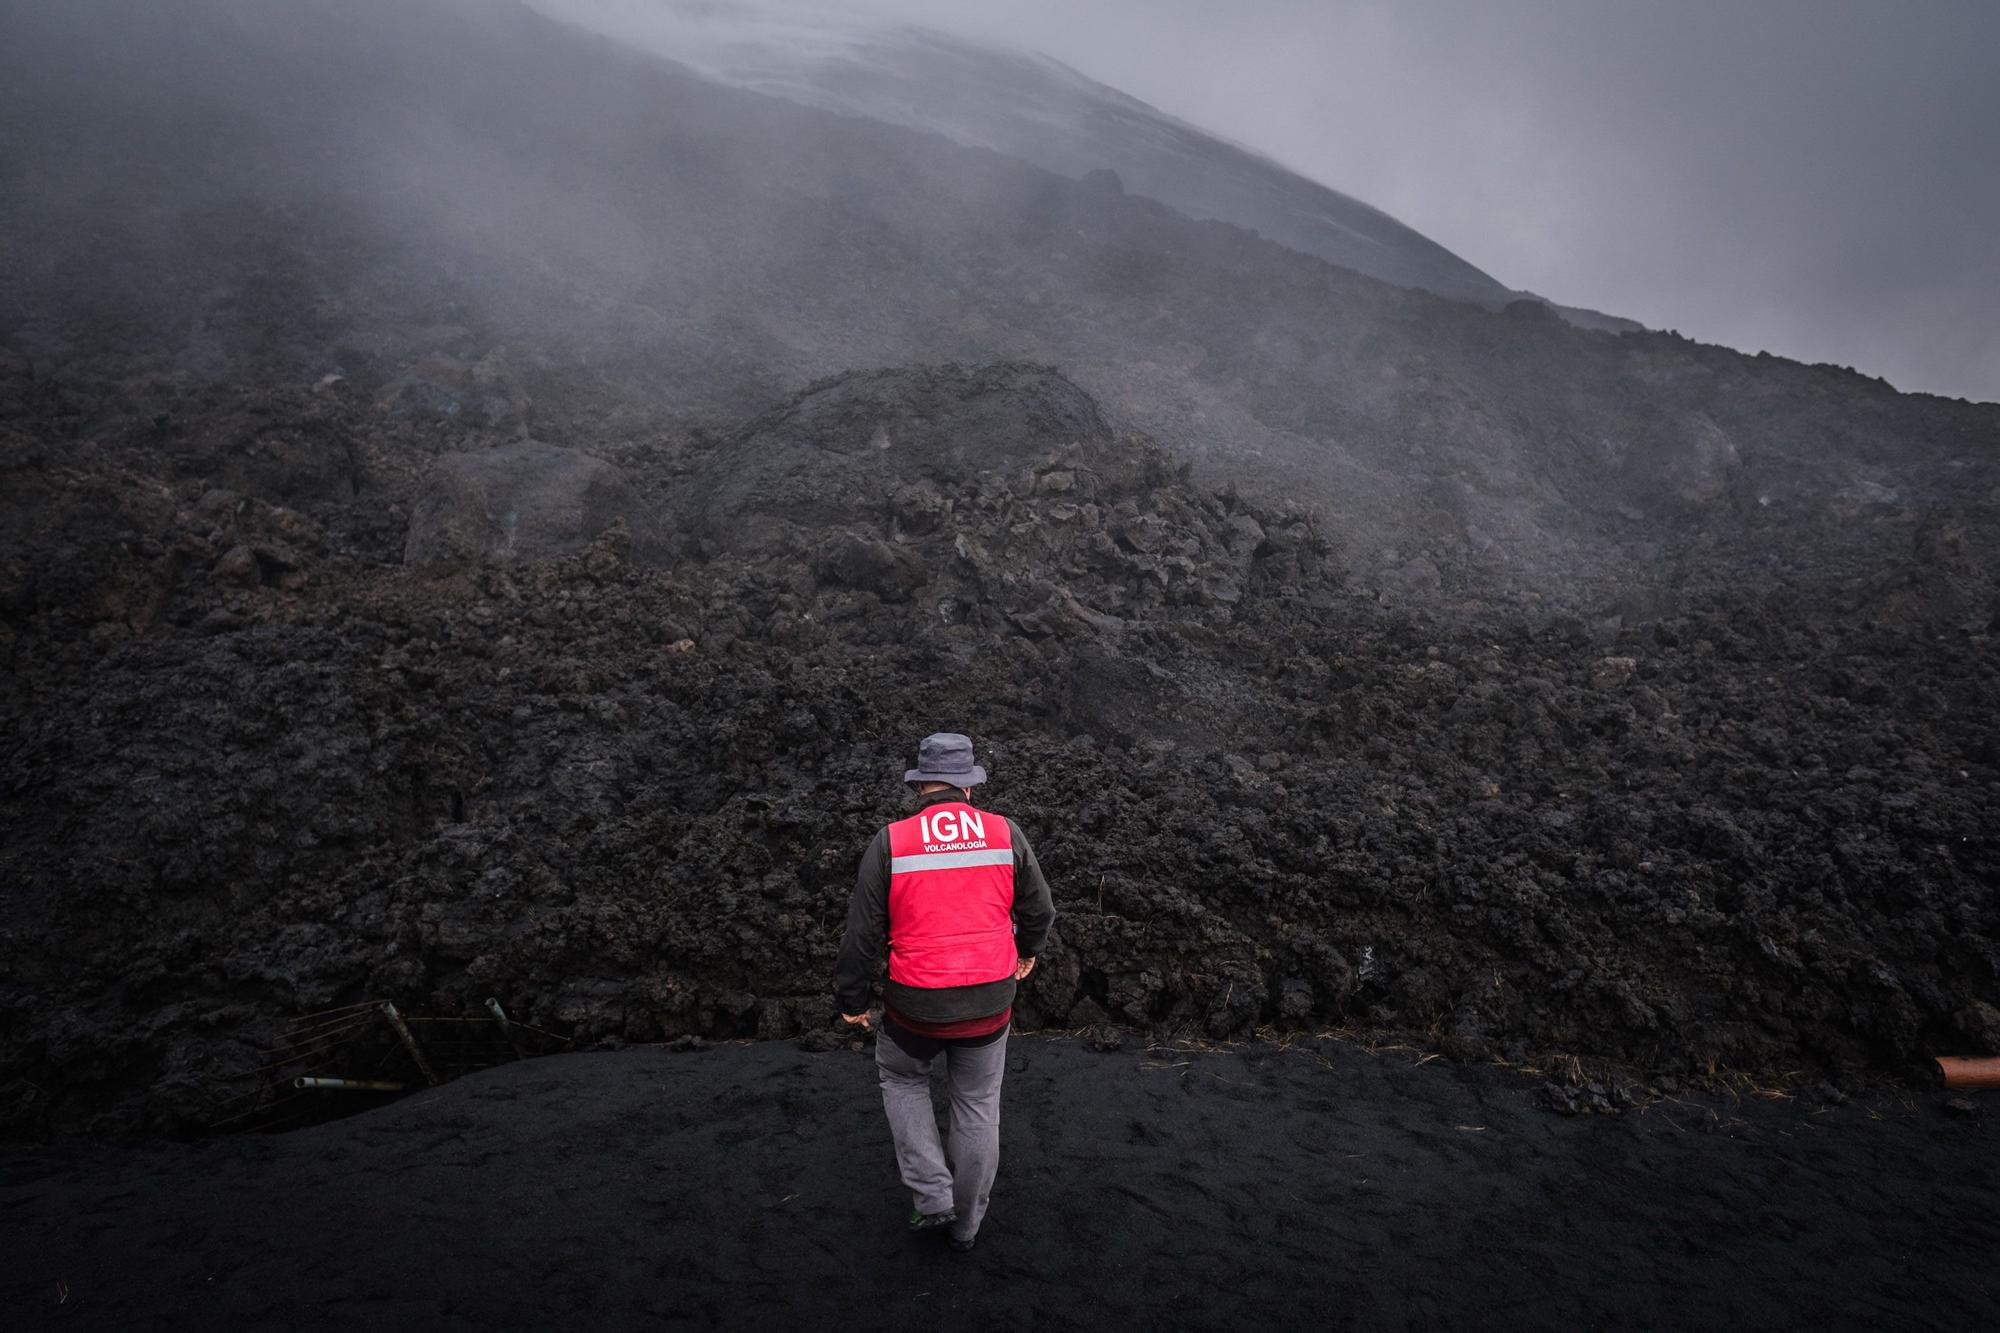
(859, 1020)
(1022, 968)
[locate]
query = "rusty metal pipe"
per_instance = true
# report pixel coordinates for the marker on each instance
(410, 1043)
(348, 1084)
(1964, 1073)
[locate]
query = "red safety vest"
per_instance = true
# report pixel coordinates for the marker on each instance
(951, 897)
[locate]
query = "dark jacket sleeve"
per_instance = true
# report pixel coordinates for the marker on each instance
(1034, 908)
(867, 930)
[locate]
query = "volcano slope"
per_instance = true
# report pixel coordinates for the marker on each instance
(479, 213)
(283, 734)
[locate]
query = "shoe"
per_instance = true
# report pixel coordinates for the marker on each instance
(931, 1221)
(961, 1245)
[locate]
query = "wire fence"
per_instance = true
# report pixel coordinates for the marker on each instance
(371, 1043)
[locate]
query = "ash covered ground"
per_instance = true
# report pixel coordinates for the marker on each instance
(320, 696)
(1254, 1187)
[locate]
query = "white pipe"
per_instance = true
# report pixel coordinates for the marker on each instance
(352, 1084)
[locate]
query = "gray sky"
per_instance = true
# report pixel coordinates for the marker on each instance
(1819, 178)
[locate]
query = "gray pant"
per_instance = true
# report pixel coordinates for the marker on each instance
(963, 1182)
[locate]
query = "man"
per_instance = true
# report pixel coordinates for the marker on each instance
(955, 894)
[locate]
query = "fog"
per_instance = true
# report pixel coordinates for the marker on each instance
(1815, 178)
(461, 202)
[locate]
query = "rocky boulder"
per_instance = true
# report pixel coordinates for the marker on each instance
(1979, 1023)
(844, 443)
(484, 393)
(518, 502)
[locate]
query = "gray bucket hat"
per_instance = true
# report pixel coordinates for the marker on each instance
(946, 757)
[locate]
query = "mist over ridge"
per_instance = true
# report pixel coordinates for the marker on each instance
(1790, 177)
(1026, 105)
(700, 245)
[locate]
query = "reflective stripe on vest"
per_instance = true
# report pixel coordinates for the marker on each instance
(951, 897)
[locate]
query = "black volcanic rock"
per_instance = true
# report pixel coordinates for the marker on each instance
(516, 502)
(1979, 1022)
(850, 442)
(625, 797)
(1539, 693)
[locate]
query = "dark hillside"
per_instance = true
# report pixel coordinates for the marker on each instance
(461, 205)
(259, 767)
